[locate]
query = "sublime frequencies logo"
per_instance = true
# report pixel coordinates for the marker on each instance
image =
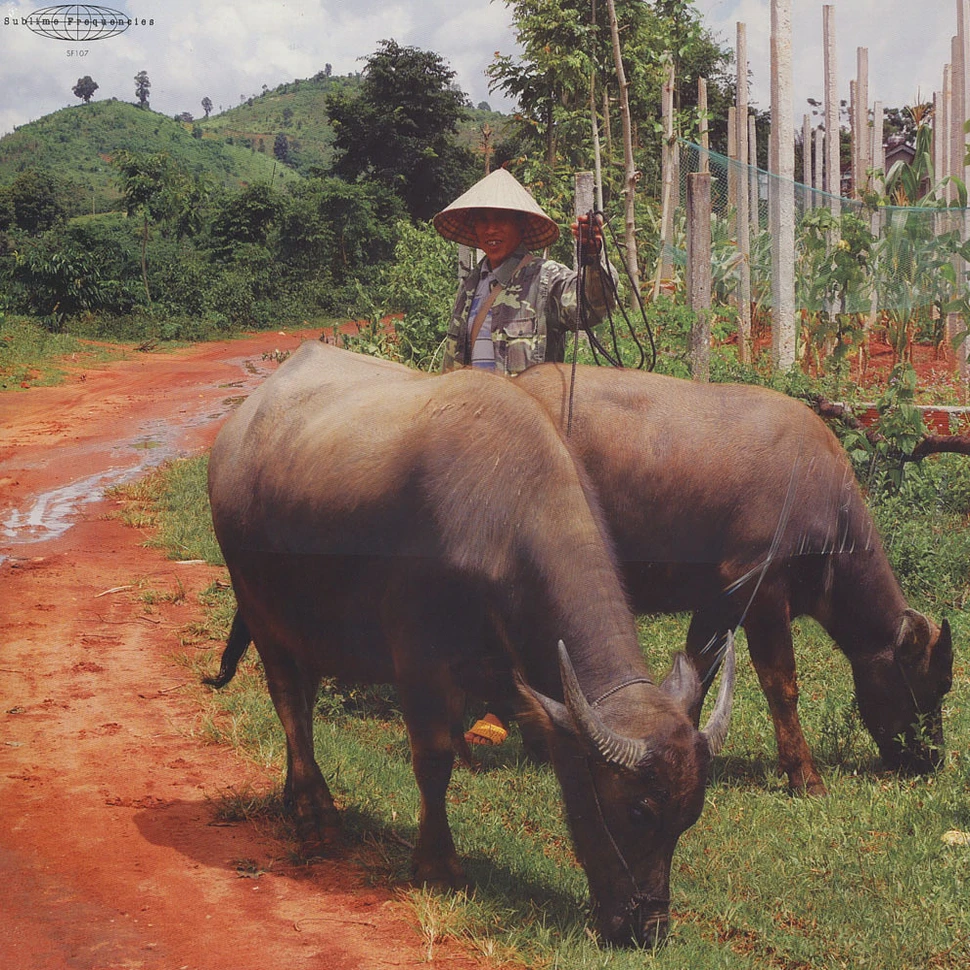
(79, 22)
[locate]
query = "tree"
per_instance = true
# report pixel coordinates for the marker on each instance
(35, 202)
(207, 106)
(281, 148)
(563, 48)
(550, 80)
(246, 217)
(399, 130)
(85, 88)
(151, 185)
(338, 230)
(59, 282)
(142, 87)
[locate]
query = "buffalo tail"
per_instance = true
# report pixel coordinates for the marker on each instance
(239, 639)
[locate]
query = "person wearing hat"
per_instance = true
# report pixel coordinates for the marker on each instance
(514, 309)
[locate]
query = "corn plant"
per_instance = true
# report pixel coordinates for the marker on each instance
(833, 284)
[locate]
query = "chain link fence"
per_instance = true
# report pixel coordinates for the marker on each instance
(858, 264)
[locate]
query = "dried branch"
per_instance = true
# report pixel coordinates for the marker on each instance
(931, 444)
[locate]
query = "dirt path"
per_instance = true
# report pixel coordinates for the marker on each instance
(108, 851)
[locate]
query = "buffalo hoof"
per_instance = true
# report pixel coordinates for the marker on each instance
(813, 787)
(321, 843)
(317, 825)
(439, 873)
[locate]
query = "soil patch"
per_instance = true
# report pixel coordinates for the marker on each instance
(108, 842)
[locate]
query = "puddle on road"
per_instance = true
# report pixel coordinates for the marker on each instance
(50, 515)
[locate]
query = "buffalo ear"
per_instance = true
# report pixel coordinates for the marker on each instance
(682, 683)
(542, 710)
(912, 640)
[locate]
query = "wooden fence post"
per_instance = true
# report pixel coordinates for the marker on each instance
(699, 272)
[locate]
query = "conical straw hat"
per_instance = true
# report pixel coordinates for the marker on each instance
(500, 190)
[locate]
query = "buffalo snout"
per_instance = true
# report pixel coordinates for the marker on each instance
(919, 751)
(646, 923)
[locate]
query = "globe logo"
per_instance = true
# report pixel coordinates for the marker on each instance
(77, 22)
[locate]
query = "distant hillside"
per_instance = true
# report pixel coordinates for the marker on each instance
(297, 109)
(235, 147)
(77, 144)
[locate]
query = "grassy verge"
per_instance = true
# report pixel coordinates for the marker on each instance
(31, 356)
(868, 877)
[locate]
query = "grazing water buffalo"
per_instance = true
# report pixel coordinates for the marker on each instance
(435, 533)
(738, 504)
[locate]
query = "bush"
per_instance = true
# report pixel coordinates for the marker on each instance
(420, 284)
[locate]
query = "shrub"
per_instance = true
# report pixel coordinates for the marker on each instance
(419, 284)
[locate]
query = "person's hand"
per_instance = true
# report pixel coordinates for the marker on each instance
(590, 237)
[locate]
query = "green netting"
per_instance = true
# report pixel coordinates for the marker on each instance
(891, 263)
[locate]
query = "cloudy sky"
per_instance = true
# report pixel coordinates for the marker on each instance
(228, 49)
(908, 43)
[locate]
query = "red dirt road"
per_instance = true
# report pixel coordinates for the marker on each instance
(109, 857)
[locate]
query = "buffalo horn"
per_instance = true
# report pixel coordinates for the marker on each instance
(716, 729)
(613, 748)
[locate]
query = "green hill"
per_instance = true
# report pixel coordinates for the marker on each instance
(76, 145)
(235, 147)
(297, 109)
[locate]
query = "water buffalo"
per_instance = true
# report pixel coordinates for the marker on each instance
(435, 533)
(738, 504)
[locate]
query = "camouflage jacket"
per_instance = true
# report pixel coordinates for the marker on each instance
(530, 316)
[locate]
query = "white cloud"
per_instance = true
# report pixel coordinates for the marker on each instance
(908, 44)
(229, 50)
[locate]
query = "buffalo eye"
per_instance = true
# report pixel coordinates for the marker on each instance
(641, 813)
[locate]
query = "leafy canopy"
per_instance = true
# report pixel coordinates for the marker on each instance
(399, 130)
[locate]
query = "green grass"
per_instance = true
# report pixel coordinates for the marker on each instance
(31, 356)
(862, 878)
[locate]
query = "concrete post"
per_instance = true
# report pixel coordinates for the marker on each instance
(962, 103)
(585, 189)
(702, 124)
(807, 156)
(783, 336)
(833, 180)
(744, 229)
(862, 121)
(754, 189)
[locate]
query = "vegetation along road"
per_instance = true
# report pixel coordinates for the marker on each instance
(113, 851)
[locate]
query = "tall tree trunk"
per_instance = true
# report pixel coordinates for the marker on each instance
(631, 175)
